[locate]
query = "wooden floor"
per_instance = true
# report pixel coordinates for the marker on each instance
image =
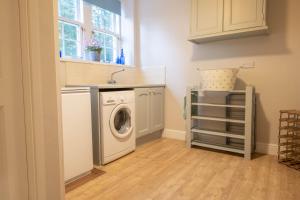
(165, 169)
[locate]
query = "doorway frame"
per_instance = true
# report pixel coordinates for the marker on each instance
(42, 104)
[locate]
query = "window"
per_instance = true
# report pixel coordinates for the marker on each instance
(106, 30)
(98, 23)
(69, 28)
(69, 39)
(69, 9)
(108, 43)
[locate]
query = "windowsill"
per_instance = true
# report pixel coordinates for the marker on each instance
(94, 63)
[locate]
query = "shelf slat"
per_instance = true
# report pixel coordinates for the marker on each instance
(290, 128)
(229, 91)
(289, 120)
(223, 148)
(218, 105)
(289, 144)
(219, 119)
(289, 137)
(217, 133)
(238, 91)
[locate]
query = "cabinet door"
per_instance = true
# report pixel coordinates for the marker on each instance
(242, 14)
(142, 111)
(157, 109)
(206, 17)
(77, 134)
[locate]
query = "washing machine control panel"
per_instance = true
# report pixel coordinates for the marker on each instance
(111, 98)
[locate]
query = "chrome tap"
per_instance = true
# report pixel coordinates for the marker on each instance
(112, 81)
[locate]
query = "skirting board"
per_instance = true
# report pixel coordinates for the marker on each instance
(174, 134)
(264, 148)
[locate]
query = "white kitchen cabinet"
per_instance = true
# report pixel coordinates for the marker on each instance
(157, 101)
(149, 110)
(243, 14)
(142, 111)
(77, 132)
(213, 20)
(203, 10)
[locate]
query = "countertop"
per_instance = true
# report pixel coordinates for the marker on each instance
(118, 86)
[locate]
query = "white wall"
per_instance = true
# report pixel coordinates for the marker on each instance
(163, 36)
(93, 73)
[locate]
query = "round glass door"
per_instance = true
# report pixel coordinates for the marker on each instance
(120, 122)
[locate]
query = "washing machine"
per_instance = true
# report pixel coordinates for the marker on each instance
(117, 124)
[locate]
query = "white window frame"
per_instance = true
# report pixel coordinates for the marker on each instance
(89, 29)
(84, 22)
(118, 36)
(78, 22)
(115, 49)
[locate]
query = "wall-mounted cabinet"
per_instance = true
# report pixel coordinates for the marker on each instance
(202, 10)
(149, 110)
(223, 19)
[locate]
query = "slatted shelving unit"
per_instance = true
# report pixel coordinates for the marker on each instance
(221, 120)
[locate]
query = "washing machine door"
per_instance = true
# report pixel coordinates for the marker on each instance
(121, 121)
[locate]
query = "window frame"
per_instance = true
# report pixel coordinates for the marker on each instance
(86, 30)
(114, 48)
(79, 12)
(118, 36)
(76, 22)
(117, 26)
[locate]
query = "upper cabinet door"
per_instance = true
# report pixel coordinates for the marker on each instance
(206, 17)
(242, 14)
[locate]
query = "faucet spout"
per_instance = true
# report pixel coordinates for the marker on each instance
(112, 81)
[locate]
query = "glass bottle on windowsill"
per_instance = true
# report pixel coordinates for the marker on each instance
(122, 57)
